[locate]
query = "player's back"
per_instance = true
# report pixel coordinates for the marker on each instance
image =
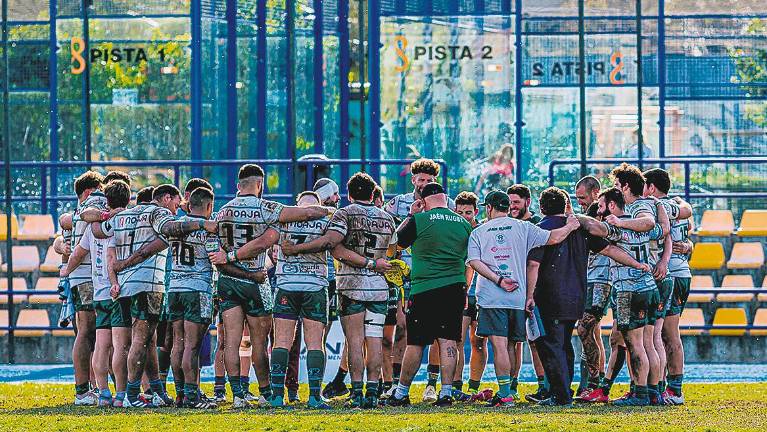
(368, 231)
(303, 271)
(243, 219)
(82, 273)
(678, 265)
(191, 269)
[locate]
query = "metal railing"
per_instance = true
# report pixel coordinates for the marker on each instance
(684, 161)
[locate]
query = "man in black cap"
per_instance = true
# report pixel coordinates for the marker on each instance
(437, 238)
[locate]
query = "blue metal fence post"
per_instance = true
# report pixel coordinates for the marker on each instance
(53, 101)
(8, 190)
(290, 99)
(374, 76)
(344, 64)
(640, 116)
(231, 89)
(518, 106)
(196, 86)
(661, 79)
(261, 78)
(86, 115)
(582, 149)
(318, 72)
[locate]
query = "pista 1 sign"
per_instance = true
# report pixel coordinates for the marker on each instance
(128, 55)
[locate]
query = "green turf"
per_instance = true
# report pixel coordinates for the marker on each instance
(39, 407)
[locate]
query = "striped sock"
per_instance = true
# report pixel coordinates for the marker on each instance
(541, 382)
(178, 381)
(396, 369)
(265, 391)
(157, 386)
(191, 392)
(675, 383)
(236, 386)
(371, 389)
(402, 391)
(504, 385)
(315, 366)
(134, 388)
(219, 385)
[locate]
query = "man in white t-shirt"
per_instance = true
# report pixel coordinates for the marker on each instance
(498, 252)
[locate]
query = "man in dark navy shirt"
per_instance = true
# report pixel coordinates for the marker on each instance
(556, 283)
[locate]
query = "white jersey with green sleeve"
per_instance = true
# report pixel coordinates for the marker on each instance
(368, 231)
(679, 264)
(82, 273)
(243, 219)
(598, 270)
(191, 269)
(132, 229)
(637, 245)
(647, 205)
(303, 272)
(97, 248)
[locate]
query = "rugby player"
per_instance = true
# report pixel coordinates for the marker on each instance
(498, 252)
(241, 287)
(423, 171)
(117, 194)
(190, 298)
(360, 235)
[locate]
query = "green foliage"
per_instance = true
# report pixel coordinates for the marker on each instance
(751, 68)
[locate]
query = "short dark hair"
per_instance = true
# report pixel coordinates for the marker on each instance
(117, 193)
(117, 175)
(309, 193)
(424, 166)
(629, 175)
(195, 183)
(659, 178)
(144, 196)
(467, 198)
(519, 189)
(553, 201)
(87, 180)
(250, 170)
(200, 197)
(361, 186)
(165, 189)
(615, 196)
(378, 193)
(590, 183)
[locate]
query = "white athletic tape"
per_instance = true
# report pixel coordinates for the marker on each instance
(374, 324)
(327, 191)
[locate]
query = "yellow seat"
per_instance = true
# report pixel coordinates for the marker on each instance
(37, 227)
(607, 322)
(691, 317)
(45, 284)
(33, 318)
(737, 282)
(4, 226)
(760, 319)
(3, 321)
(746, 256)
(729, 317)
(762, 297)
(716, 223)
(701, 282)
(52, 262)
(753, 223)
(65, 332)
(26, 259)
(19, 290)
(707, 256)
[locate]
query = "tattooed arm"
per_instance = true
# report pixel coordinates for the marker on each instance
(239, 273)
(326, 242)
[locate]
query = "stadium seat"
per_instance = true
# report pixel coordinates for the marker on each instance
(26, 259)
(753, 223)
(691, 317)
(37, 227)
(607, 321)
(3, 321)
(746, 256)
(33, 318)
(701, 282)
(45, 284)
(52, 262)
(4, 226)
(19, 285)
(65, 332)
(760, 319)
(736, 282)
(707, 256)
(729, 317)
(716, 223)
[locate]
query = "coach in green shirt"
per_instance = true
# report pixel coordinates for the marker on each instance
(438, 238)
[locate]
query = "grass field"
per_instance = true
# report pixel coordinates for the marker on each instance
(47, 407)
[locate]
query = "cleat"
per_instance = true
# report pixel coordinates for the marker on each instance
(483, 396)
(672, 398)
(219, 396)
(515, 395)
(240, 403)
(593, 396)
(626, 395)
(389, 393)
(430, 394)
(460, 396)
(86, 399)
(657, 400)
(105, 402)
(293, 397)
(140, 402)
(319, 405)
(275, 402)
(632, 401)
(199, 404)
(443, 401)
(394, 402)
(179, 403)
(355, 401)
(551, 402)
(334, 390)
(250, 397)
(538, 396)
(499, 402)
(162, 400)
(370, 402)
(117, 403)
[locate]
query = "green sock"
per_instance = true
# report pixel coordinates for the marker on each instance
(315, 365)
(163, 364)
(474, 386)
(514, 384)
(371, 389)
(606, 385)
(396, 369)
(81, 388)
(504, 386)
(661, 386)
(265, 391)
(641, 392)
(357, 387)
(541, 382)
(458, 385)
(236, 386)
(279, 368)
(433, 374)
(191, 392)
(632, 387)
(178, 381)
(675, 384)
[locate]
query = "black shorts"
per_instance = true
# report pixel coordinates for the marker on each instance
(471, 308)
(435, 314)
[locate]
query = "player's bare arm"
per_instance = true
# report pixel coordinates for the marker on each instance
(593, 226)
(620, 256)
(61, 247)
(65, 221)
(532, 280)
(661, 268)
(354, 259)
(74, 261)
(142, 254)
(327, 242)
(642, 223)
(685, 209)
(181, 228)
(665, 223)
(251, 249)
(239, 273)
(301, 214)
(114, 291)
(507, 284)
(92, 214)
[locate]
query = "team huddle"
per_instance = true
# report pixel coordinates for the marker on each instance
(418, 272)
